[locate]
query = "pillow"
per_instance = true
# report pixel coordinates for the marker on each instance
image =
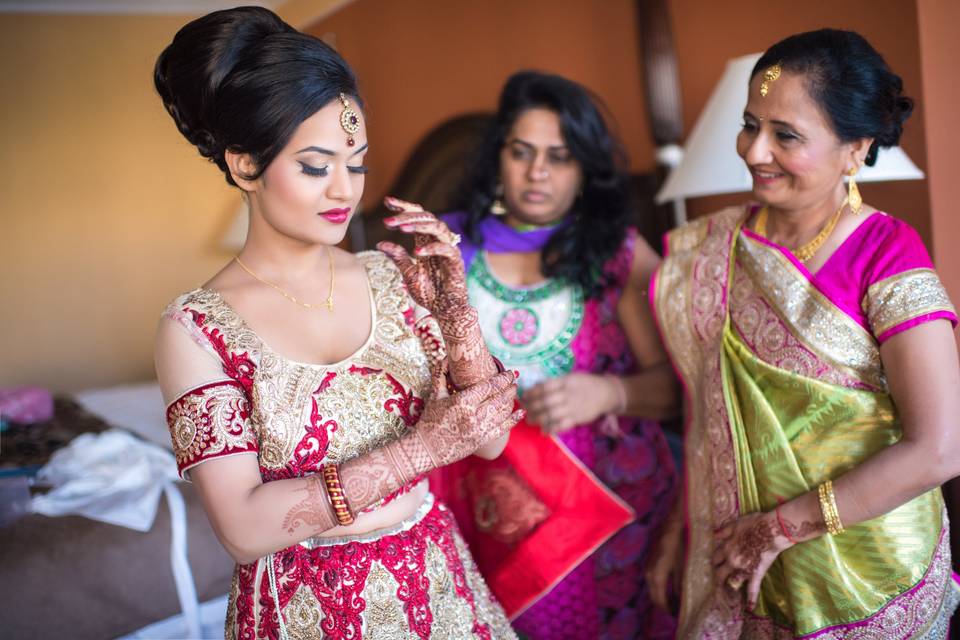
(136, 407)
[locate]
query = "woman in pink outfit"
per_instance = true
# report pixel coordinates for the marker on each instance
(814, 340)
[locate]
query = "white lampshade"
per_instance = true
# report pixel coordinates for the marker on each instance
(710, 163)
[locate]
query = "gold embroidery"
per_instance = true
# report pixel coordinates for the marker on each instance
(383, 616)
(770, 339)
(451, 613)
(691, 309)
(905, 296)
(209, 422)
(487, 608)
(819, 324)
(302, 616)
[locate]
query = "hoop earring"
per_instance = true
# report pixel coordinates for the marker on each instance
(854, 199)
(496, 207)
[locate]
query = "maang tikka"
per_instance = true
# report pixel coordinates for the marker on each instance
(349, 120)
(769, 76)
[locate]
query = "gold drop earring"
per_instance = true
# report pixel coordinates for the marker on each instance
(854, 199)
(496, 207)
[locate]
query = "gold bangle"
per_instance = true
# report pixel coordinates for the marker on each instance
(828, 508)
(338, 499)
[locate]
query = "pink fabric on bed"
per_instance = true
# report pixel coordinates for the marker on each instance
(26, 405)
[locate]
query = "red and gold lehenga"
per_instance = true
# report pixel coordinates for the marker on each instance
(412, 580)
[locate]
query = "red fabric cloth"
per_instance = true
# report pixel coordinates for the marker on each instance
(577, 514)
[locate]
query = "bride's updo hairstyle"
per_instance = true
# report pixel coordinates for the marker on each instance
(243, 80)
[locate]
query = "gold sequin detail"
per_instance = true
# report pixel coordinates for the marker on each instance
(816, 321)
(302, 616)
(690, 307)
(207, 422)
(903, 297)
(770, 339)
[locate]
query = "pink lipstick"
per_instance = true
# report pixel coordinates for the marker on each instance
(336, 216)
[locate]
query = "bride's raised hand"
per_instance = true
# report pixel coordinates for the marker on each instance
(434, 276)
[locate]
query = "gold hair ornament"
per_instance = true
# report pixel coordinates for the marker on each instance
(769, 76)
(349, 120)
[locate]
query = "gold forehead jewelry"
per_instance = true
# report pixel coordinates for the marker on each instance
(349, 120)
(770, 75)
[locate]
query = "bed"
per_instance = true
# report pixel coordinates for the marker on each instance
(73, 577)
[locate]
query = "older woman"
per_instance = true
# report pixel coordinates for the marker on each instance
(814, 339)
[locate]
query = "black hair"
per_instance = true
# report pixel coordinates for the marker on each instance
(860, 95)
(600, 214)
(243, 80)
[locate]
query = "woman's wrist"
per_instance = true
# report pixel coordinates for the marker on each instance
(617, 402)
(799, 520)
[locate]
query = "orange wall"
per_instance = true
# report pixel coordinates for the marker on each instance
(710, 33)
(940, 51)
(423, 61)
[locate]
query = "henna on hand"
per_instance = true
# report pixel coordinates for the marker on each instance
(450, 429)
(756, 541)
(314, 510)
(437, 282)
(806, 530)
(745, 549)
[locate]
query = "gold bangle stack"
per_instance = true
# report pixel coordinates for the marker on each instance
(338, 500)
(828, 507)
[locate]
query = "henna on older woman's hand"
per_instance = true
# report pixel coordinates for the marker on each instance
(756, 541)
(314, 510)
(807, 529)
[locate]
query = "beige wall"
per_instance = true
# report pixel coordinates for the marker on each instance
(106, 211)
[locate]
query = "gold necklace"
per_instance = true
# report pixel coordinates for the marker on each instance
(808, 250)
(328, 303)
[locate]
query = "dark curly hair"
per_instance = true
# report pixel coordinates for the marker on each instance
(243, 80)
(851, 82)
(600, 214)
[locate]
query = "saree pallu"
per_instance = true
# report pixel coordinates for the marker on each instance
(785, 391)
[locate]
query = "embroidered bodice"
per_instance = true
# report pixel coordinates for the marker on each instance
(299, 416)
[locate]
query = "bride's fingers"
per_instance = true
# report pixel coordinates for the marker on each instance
(396, 204)
(438, 249)
(407, 218)
(400, 257)
(433, 228)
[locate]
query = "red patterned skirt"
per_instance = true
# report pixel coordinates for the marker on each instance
(414, 579)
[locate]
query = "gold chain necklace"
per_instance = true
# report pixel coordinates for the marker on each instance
(808, 250)
(328, 303)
